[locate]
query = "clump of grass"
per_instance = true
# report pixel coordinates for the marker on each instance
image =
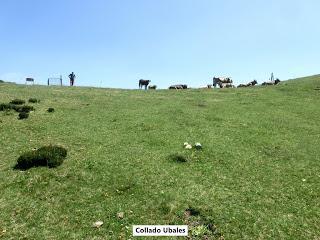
(126, 187)
(6, 106)
(178, 158)
(200, 225)
(17, 108)
(193, 211)
(18, 101)
(50, 156)
(24, 108)
(50, 110)
(33, 100)
(201, 105)
(199, 231)
(23, 115)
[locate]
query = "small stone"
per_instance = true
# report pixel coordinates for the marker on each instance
(303, 180)
(97, 224)
(120, 215)
(185, 144)
(189, 146)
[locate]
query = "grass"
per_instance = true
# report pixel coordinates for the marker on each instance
(257, 176)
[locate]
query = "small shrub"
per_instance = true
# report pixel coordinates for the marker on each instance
(199, 231)
(23, 115)
(50, 110)
(178, 158)
(50, 156)
(33, 100)
(193, 211)
(16, 107)
(24, 108)
(18, 101)
(6, 106)
(1, 81)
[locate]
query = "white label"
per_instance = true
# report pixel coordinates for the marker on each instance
(160, 230)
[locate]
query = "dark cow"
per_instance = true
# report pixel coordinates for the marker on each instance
(31, 80)
(225, 85)
(222, 81)
(254, 82)
(154, 87)
(179, 86)
(275, 82)
(144, 83)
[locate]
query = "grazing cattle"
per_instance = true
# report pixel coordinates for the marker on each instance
(144, 83)
(254, 82)
(275, 82)
(219, 80)
(179, 86)
(152, 87)
(31, 80)
(226, 85)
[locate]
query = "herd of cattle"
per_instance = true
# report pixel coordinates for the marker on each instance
(221, 82)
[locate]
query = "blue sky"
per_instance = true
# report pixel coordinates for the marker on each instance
(115, 43)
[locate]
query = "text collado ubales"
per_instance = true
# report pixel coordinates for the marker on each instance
(160, 230)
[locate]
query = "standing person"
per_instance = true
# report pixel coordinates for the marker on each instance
(72, 76)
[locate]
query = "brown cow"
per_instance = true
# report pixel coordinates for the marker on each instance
(179, 86)
(154, 87)
(144, 83)
(252, 83)
(275, 82)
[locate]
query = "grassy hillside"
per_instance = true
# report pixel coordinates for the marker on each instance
(257, 177)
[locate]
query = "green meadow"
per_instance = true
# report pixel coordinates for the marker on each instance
(256, 177)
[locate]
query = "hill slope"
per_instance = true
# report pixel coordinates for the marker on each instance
(257, 176)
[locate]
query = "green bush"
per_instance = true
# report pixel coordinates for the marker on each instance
(1, 81)
(23, 115)
(33, 100)
(50, 110)
(6, 106)
(24, 108)
(18, 101)
(193, 211)
(178, 158)
(50, 156)
(17, 108)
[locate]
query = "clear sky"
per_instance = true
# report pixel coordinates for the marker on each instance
(115, 43)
